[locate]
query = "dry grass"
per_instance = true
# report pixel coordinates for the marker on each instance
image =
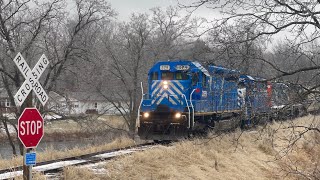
(54, 154)
(50, 154)
(75, 173)
(62, 126)
(218, 158)
(277, 151)
(260, 153)
(298, 148)
(83, 127)
(95, 122)
(35, 176)
(200, 159)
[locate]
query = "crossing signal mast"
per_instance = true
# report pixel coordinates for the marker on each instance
(30, 122)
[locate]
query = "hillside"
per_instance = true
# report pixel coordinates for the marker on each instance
(261, 153)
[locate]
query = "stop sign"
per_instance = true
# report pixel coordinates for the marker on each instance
(30, 127)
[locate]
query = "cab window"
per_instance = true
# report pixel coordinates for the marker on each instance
(204, 84)
(167, 75)
(181, 76)
(231, 78)
(154, 76)
(195, 78)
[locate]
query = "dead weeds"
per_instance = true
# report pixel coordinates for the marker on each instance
(275, 151)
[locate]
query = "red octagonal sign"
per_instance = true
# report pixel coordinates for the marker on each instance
(30, 127)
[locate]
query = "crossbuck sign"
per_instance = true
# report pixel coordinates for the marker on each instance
(32, 79)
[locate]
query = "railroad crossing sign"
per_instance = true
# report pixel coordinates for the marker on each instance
(32, 79)
(30, 127)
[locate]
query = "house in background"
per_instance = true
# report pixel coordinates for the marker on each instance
(5, 104)
(77, 103)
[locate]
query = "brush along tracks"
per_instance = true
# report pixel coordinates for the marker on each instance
(56, 166)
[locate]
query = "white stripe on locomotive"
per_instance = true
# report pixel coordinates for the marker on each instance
(179, 84)
(156, 89)
(175, 88)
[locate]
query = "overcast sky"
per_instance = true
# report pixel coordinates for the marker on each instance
(126, 7)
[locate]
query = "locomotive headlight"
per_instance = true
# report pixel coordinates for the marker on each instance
(146, 115)
(165, 85)
(178, 115)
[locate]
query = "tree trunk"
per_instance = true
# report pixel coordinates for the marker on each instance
(21, 148)
(14, 151)
(133, 117)
(132, 128)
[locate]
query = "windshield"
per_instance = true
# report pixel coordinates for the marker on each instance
(174, 75)
(154, 76)
(167, 75)
(181, 76)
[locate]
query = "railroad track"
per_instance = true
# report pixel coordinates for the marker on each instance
(56, 166)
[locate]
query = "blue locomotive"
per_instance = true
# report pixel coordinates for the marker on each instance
(184, 97)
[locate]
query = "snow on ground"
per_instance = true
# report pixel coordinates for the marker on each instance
(97, 168)
(41, 168)
(52, 117)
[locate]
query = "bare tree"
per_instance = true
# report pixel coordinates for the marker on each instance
(70, 43)
(36, 28)
(296, 61)
(230, 48)
(126, 50)
(20, 27)
(172, 32)
(299, 19)
(130, 50)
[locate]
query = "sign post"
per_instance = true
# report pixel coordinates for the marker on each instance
(30, 122)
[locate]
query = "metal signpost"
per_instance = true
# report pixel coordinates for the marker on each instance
(30, 123)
